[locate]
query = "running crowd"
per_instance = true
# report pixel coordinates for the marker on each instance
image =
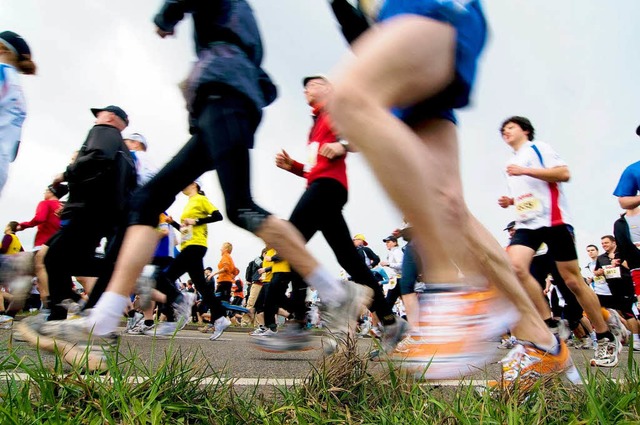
(112, 193)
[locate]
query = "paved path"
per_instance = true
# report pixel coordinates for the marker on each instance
(234, 356)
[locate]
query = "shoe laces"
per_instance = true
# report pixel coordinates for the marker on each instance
(604, 349)
(516, 361)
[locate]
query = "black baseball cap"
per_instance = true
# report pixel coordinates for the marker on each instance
(58, 190)
(16, 43)
(112, 108)
(390, 238)
(511, 225)
(305, 80)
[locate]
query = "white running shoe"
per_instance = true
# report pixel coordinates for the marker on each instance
(259, 331)
(182, 308)
(6, 322)
(140, 329)
(341, 319)
(73, 338)
(132, 322)
(220, 325)
(290, 338)
(163, 329)
(607, 352)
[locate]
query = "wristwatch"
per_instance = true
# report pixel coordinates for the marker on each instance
(344, 143)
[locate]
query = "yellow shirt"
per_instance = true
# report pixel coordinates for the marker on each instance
(198, 206)
(265, 264)
(280, 266)
(14, 247)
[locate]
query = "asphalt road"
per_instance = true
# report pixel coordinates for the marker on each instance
(234, 356)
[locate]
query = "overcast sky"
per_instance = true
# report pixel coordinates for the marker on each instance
(570, 66)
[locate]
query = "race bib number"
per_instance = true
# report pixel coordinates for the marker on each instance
(611, 272)
(599, 280)
(528, 207)
(393, 281)
(186, 233)
(312, 156)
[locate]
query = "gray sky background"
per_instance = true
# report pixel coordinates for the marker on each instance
(570, 66)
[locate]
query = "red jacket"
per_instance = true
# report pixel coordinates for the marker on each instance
(47, 219)
(319, 166)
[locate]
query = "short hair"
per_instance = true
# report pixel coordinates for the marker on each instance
(228, 246)
(208, 268)
(523, 123)
(593, 246)
(610, 237)
(13, 225)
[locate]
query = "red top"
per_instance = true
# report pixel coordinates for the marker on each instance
(47, 219)
(319, 166)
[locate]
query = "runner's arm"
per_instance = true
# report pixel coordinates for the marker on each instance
(352, 22)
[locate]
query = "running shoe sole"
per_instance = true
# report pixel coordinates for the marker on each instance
(74, 354)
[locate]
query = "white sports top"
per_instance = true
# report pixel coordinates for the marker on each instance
(537, 203)
(13, 110)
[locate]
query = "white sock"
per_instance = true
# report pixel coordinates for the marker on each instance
(329, 288)
(107, 314)
(635, 337)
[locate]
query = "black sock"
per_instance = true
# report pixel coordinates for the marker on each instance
(148, 322)
(551, 322)
(388, 320)
(606, 334)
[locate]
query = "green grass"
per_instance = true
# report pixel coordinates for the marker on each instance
(341, 389)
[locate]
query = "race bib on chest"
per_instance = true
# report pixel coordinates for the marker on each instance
(611, 272)
(527, 207)
(312, 156)
(599, 280)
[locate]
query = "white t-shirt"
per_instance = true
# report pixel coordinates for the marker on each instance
(599, 283)
(537, 203)
(394, 258)
(145, 169)
(13, 111)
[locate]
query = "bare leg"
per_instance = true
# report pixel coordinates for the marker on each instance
(570, 272)
(412, 308)
(41, 273)
(137, 251)
(521, 257)
(392, 69)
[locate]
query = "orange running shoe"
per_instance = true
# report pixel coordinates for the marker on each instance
(456, 323)
(527, 364)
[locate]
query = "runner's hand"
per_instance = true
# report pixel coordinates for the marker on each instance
(162, 33)
(332, 150)
(505, 201)
(284, 161)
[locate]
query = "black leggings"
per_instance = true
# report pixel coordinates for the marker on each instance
(320, 209)
(223, 136)
(72, 253)
(541, 266)
(275, 297)
(189, 261)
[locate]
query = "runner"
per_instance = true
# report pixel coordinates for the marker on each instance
(225, 93)
(421, 61)
(535, 176)
(320, 209)
(15, 58)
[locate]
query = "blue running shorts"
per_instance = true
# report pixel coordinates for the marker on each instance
(467, 18)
